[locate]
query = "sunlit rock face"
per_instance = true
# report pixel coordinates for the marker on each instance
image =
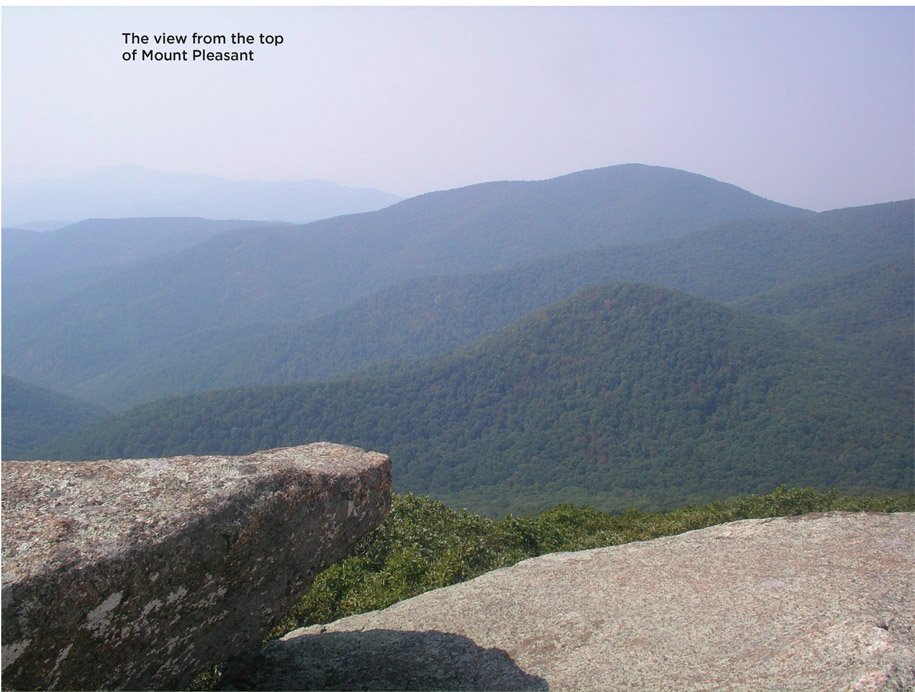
(818, 602)
(141, 573)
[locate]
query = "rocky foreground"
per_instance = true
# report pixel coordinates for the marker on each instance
(138, 574)
(818, 602)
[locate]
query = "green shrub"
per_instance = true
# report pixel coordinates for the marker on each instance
(424, 544)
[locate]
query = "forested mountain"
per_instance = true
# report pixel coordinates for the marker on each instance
(43, 267)
(433, 315)
(292, 274)
(133, 191)
(622, 395)
(32, 415)
(871, 310)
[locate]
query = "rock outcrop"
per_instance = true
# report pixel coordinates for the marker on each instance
(819, 602)
(138, 574)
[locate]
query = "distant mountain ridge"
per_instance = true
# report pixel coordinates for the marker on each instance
(871, 310)
(109, 242)
(41, 267)
(133, 191)
(429, 316)
(296, 273)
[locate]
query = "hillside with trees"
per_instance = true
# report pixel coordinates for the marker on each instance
(622, 395)
(32, 415)
(871, 311)
(282, 274)
(431, 316)
(628, 336)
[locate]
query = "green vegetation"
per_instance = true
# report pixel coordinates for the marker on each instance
(424, 545)
(622, 395)
(32, 415)
(870, 311)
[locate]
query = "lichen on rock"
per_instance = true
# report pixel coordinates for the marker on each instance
(140, 573)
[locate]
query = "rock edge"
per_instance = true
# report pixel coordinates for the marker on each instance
(138, 574)
(818, 602)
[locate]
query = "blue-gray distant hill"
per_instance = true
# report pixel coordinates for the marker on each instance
(283, 274)
(16, 240)
(133, 191)
(41, 267)
(433, 315)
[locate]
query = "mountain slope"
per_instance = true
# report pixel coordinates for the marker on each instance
(112, 242)
(495, 225)
(283, 274)
(624, 394)
(433, 315)
(871, 310)
(17, 240)
(33, 415)
(48, 266)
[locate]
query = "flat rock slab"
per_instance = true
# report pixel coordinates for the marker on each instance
(819, 602)
(140, 573)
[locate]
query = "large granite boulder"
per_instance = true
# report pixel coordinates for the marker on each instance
(819, 602)
(138, 574)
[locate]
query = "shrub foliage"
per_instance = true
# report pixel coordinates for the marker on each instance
(424, 544)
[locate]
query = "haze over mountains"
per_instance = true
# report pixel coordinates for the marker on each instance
(131, 191)
(296, 273)
(627, 392)
(38, 267)
(433, 315)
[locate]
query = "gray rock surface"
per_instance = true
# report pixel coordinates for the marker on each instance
(819, 602)
(138, 574)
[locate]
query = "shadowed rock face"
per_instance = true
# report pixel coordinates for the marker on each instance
(387, 660)
(138, 574)
(820, 602)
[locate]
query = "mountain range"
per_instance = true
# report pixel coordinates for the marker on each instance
(39, 268)
(623, 394)
(624, 336)
(291, 274)
(133, 191)
(433, 315)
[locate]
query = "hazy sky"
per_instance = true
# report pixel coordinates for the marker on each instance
(809, 106)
